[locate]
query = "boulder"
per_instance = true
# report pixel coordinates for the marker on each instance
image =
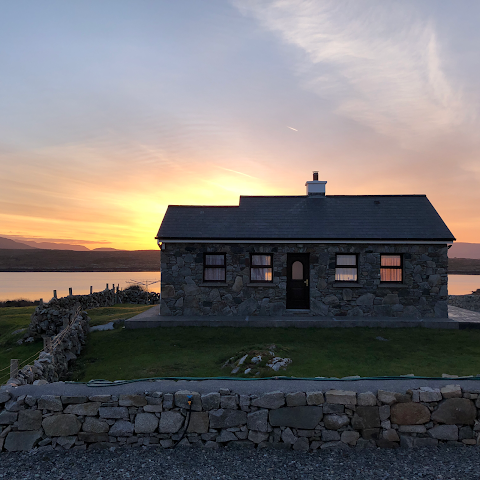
(270, 400)
(170, 422)
(121, 428)
(409, 413)
(315, 398)
(350, 437)
(113, 412)
(297, 399)
(366, 299)
(22, 441)
(334, 422)
(257, 437)
(66, 442)
(50, 402)
(8, 418)
(93, 425)
(199, 422)
(302, 444)
(224, 418)
(428, 394)
(444, 432)
(366, 399)
(85, 409)
(210, 401)
(258, 421)
(296, 417)
(29, 420)
(288, 436)
(62, 425)
(318, 308)
(341, 397)
(145, 423)
(391, 435)
(132, 401)
(5, 397)
(226, 436)
(455, 411)
(366, 417)
(389, 398)
(330, 436)
(451, 391)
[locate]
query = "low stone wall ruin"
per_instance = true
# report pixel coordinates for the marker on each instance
(302, 420)
(469, 302)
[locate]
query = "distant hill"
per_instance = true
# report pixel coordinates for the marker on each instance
(106, 249)
(57, 246)
(464, 250)
(11, 244)
(36, 260)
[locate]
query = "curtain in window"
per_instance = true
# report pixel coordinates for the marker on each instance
(214, 260)
(212, 274)
(391, 261)
(390, 275)
(345, 274)
(261, 260)
(346, 259)
(261, 274)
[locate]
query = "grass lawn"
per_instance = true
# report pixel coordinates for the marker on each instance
(201, 351)
(102, 315)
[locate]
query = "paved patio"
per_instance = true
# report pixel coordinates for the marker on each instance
(458, 318)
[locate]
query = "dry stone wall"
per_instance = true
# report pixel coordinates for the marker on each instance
(423, 293)
(470, 302)
(301, 420)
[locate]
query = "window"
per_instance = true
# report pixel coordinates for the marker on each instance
(346, 268)
(214, 267)
(261, 268)
(391, 268)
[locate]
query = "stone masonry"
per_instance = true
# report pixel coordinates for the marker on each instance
(423, 293)
(301, 420)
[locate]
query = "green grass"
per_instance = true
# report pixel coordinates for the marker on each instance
(201, 351)
(102, 315)
(11, 319)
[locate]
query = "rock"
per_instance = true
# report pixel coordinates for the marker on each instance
(330, 436)
(8, 418)
(229, 401)
(331, 300)
(296, 417)
(210, 444)
(22, 441)
(455, 411)
(132, 401)
(237, 284)
(199, 422)
(4, 397)
(153, 408)
(93, 437)
(29, 420)
(181, 400)
(62, 425)
(384, 443)
(412, 428)
(349, 437)
(170, 422)
(145, 423)
(288, 436)
(210, 401)
(366, 300)
(301, 444)
(409, 413)
(223, 418)
(334, 422)
(100, 398)
(384, 412)
(428, 394)
(366, 399)
(315, 398)
(391, 435)
(341, 397)
(318, 308)
(50, 402)
(258, 421)
(93, 425)
(444, 432)
(331, 408)
(270, 400)
(121, 428)
(85, 409)
(226, 436)
(257, 437)
(113, 412)
(390, 299)
(297, 399)
(68, 399)
(66, 442)
(465, 433)
(366, 417)
(390, 398)
(451, 391)
(347, 294)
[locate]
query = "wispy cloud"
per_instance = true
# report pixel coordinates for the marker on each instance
(379, 63)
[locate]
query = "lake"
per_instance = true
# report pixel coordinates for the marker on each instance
(35, 285)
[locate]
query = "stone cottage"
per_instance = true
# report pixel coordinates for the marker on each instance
(314, 254)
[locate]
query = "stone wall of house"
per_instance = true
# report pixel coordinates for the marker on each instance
(470, 302)
(423, 293)
(301, 420)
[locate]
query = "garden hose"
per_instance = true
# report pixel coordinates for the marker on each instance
(109, 383)
(189, 400)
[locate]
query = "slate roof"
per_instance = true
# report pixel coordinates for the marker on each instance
(331, 217)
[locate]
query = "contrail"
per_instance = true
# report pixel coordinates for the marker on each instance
(291, 128)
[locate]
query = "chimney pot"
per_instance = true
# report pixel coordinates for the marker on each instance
(315, 176)
(316, 188)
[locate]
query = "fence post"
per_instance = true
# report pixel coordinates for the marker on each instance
(70, 291)
(54, 294)
(106, 288)
(47, 343)
(91, 289)
(14, 368)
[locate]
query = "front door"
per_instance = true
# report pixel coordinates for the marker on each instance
(298, 274)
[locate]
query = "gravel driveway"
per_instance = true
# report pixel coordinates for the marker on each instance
(446, 463)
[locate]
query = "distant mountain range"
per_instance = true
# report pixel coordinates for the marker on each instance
(7, 243)
(464, 250)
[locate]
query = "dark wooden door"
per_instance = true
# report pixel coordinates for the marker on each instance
(298, 277)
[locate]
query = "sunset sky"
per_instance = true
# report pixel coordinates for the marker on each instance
(111, 110)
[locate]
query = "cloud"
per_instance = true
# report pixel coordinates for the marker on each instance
(379, 63)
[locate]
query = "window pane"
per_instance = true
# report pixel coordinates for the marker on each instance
(346, 274)
(390, 274)
(297, 270)
(261, 260)
(346, 259)
(391, 261)
(214, 260)
(215, 274)
(261, 274)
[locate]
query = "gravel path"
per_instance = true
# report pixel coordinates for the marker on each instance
(149, 463)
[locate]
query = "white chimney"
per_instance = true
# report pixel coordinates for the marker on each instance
(315, 187)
